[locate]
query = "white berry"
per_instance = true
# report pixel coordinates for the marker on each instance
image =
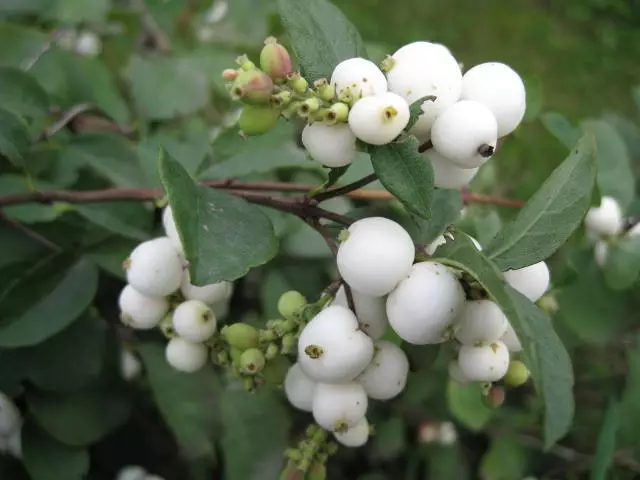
(606, 219)
(299, 388)
(153, 477)
(480, 321)
(355, 436)
(9, 416)
(330, 145)
(447, 174)
(170, 230)
(155, 267)
(130, 366)
(88, 44)
(511, 340)
(131, 472)
(425, 304)
(447, 434)
(531, 281)
(359, 77)
(338, 407)
(193, 320)
(332, 348)
(601, 252)
(370, 311)
(466, 133)
(186, 356)
(499, 88)
(209, 294)
(380, 118)
(422, 69)
(375, 256)
(141, 311)
(484, 363)
(386, 375)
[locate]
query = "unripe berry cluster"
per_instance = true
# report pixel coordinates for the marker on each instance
(10, 427)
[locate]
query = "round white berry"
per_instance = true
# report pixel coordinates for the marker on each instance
(386, 375)
(209, 294)
(330, 145)
(131, 472)
(456, 374)
(422, 69)
(186, 356)
(480, 321)
(130, 366)
(155, 267)
(370, 311)
(338, 407)
(88, 44)
(299, 388)
(14, 443)
(359, 77)
(499, 88)
(193, 320)
(511, 340)
(425, 304)
(447, 174)
(447, 434)
(601, 252)
(466, 133)
(153, 477)
(355, 436)
(332, 348)
(375, 256)
(170, 230)
(531, 281)
(10, 418)
(141, 311)
(606, 219)
(380, 118)
(635, 230)
(484, 363)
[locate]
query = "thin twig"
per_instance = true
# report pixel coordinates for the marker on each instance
(65, 119)
(349, 294)
(337, 192)
(325, 233)
(30, 233)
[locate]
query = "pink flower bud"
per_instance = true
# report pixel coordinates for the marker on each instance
(275, 60)
(229, 74)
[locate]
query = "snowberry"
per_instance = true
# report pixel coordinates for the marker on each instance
(330, 145)
(185, 356)
(375, 256)
(386, 375)
(88, 44)
(511, 340)
(447, 434)
(299, 388)
(131, 472)
(456, 374)
(635, 230)
(9, 416)
(141, 311)
(332, 348)
(480, 321)
(488, 362)
(155, 267)
(466, 133)
(447, 174)
(370, 311)
(423, 69)
(531, 281)
(601, 252)
(606, 219)
(193, 320)
(170, 230)
(290, 303)
(424, 305)
(338, 407)
(358, 77)
(209, 294)
(499, 88)
(130, 366)
(356, 436)
(380, 118)
(14, 443)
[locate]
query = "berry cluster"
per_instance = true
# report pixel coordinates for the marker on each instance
(134, 472)
(10, 427)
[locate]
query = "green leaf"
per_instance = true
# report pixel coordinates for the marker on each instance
(622, 268)
(445, 209)
(487, 227)
(415, 110)
(606, 445)
(534, 92)
(14, 136)
(506, 459)
(18, 44)
(544, 353)
(615, 177)
(389, 441)
(187, 402)
(465, 403)
(21, 93)
(165, 88)
(131, 220)
(57, 308)
(560, 128)
(76, 11)
(406, 174)
(334, 176)
(551, 215)
(321, 36)
(48, 459)
(109, 254)
(80, 418)
(21, 246)
(630, 402)
(223, 235)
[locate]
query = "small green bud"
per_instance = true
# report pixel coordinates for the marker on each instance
(309, 106)
(289, 343)
(267, 336)
(290, 303)
(297, 83)
(275, 370)
(252, 361)
(517, 375)
(256, 120)
(325, 90)
(331, 448)
(346, 96)
(240, 335)
(235, 354)
(221, 358)
(337, 113)
(166, 327)
(272, 351)
(281, 99)
(387, 64)
(253, 87)
(245, 63)
(291, 110)
(275, 60)
(494, 397)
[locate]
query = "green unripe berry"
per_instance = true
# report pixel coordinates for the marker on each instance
(275, 60)
(309, 107)
(517, 374)
(240, 335)
(253, 87)
(297, 83)
(256, 120)
(291, 471)
(326, 91)
(289, 343)
(236, 355)
(290, 302)
(166, 327)
(267, 336)
(245, 63)
(252, 361)
(275, 370)
(272, 351)
(337, 113)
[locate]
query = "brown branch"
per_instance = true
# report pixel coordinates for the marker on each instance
(337, 192)
(65, 118)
